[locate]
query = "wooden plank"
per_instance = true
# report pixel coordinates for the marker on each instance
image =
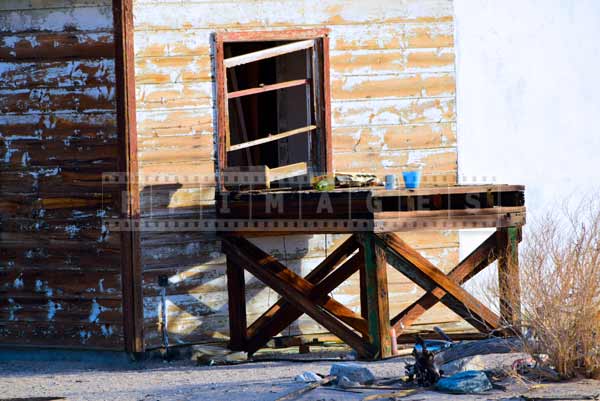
(133, 312)
(393, 111)
(287, 14)
(421, 85)
(63, 73)
(60, 284)
(169, 70)
(268, 53)
(377, 296)
(273, 35)
(282, 313)
(267, 88)
(45, 100)
(57, 45)
(289, 171)
(451, 219)
(388, 62)
(371, 139)
(271, 138)
(296, 290)
(426, 275)
(455, 189)
(362, 282)
(222, 109)
(59, 19)
(74, 310)
(44, 334)
(467, 268)
(508, 276)
(325, 102)
(237, 306)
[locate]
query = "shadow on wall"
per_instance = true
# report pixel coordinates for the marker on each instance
(184, 272)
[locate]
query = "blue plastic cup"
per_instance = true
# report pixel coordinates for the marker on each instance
(390, 181)
(412, 179)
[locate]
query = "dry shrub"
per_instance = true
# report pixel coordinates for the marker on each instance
(560, 279)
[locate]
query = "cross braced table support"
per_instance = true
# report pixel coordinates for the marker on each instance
(370, 253)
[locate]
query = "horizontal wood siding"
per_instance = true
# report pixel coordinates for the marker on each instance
(60, 269)
(393, 102)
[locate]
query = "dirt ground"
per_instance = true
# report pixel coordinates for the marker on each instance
(184, 380)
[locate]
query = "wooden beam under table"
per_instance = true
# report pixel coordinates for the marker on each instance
(287, 314)
(282, 313)
(410, 263)
(236, 291)
(297, 291)
(508, 276)
(377, 296)
(479, 259)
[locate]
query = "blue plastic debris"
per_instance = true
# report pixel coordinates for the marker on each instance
(467, 382)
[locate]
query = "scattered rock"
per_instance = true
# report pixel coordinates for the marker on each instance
(344, 382)
(468, 382)
(307, 377)
(353, 372)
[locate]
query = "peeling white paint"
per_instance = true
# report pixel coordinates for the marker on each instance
(95, 311)
(85, 335)
(52, 308)
(72, 230)
(106, 330)
(25, 159)
(12, 308)
(103, 233)
(18, 283)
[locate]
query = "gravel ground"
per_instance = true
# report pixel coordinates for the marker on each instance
(183, 380)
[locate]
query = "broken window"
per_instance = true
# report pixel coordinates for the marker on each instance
(273, 106)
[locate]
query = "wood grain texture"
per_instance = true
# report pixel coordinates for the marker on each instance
(391, 102)
(60, 275)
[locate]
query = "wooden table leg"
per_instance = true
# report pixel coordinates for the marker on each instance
(364, 300)
(236, 290)
(377, 297)
(508, 276)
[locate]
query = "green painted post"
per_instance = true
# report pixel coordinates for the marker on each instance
(377, 297)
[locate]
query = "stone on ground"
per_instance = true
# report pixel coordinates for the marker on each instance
(353, 372)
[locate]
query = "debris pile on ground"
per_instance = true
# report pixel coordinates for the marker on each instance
(467, 382)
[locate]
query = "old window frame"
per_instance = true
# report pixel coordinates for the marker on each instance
(321, 36)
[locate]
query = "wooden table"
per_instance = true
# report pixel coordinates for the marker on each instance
(373, 217)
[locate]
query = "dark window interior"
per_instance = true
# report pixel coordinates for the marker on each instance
(261, 115)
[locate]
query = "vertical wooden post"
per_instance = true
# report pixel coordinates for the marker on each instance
(236, 289)
(364, 300)
(377, 296)
(131, 268)
(508, 276)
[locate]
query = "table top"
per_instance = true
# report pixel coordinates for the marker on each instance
(273, 212)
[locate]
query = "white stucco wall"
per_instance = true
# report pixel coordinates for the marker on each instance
(528, 97)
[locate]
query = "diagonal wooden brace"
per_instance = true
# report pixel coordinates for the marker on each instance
(331, 262)
(297, 291)
(410, 263)
(478, 260)
(282, 314)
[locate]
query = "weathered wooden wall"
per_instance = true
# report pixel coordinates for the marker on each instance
(393, 102)
(60, 281)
